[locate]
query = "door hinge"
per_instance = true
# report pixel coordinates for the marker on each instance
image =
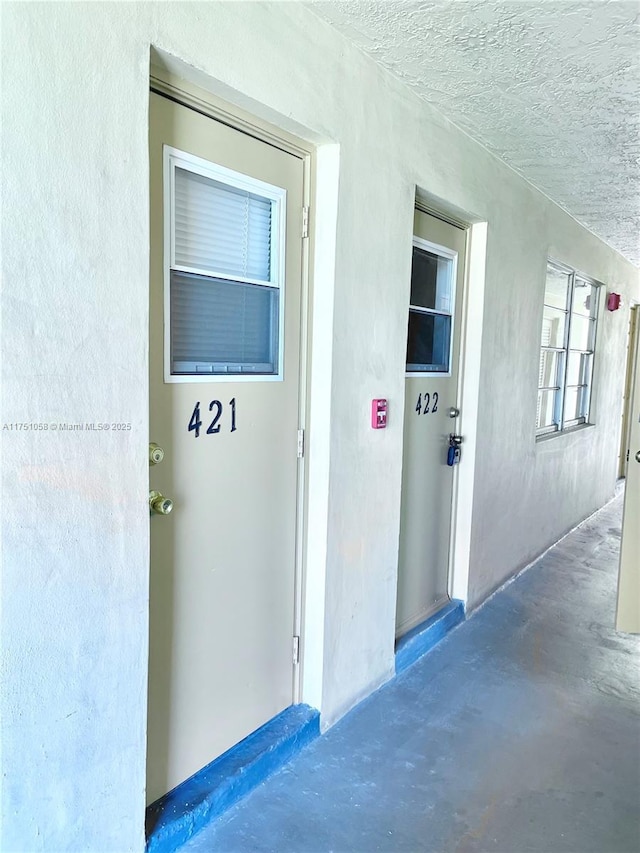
(300, 443)
(305, 222)
(296, 649)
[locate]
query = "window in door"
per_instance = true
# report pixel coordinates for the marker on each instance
(223, 283)
(430, 311)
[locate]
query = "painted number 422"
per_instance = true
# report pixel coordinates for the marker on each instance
(215, 426)
(424, 401)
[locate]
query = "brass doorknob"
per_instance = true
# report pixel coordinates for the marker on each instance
(156, 453)
(159, 504)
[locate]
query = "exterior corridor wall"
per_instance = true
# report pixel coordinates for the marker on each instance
(75, 309)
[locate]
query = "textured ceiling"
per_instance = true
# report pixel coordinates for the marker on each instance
(551, 87)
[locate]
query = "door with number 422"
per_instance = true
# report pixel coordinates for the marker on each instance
(225, 303)
(430, 448)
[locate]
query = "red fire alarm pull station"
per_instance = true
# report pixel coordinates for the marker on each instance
(613, 302)
(378, 414)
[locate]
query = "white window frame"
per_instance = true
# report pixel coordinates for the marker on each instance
(174, 158)
(449, 254)
(562, 426)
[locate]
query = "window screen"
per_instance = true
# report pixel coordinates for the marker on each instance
(224, 297)
(220, 326)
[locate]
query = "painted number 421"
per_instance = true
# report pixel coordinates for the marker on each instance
(215, 426)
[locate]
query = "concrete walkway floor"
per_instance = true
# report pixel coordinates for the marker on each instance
(519, 732)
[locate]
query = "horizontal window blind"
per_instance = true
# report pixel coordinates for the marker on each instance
(223, 326)
(221, 229)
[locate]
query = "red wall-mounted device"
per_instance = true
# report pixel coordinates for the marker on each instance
(613, 301)
(378, 414)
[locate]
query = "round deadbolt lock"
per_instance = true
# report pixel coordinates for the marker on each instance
(156, 453)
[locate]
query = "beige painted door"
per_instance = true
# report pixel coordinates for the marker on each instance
(628, 612)
(431, 388)
(225, 302)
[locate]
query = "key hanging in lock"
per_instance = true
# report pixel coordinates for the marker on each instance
(453, 453)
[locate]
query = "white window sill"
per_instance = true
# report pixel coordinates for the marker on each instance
(569, 431)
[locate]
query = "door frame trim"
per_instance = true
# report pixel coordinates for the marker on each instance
(633, 343)
(627, 615)
(469, 374)
(176, 88)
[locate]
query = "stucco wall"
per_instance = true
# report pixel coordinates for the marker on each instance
(529, 494)
(75, 269)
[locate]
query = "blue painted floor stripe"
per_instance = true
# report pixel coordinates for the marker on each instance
(174, 818)
(517, 733)
(425, 636)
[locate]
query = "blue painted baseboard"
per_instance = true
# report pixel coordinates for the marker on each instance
(425, 636)
(177, 816)
(174, 818)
